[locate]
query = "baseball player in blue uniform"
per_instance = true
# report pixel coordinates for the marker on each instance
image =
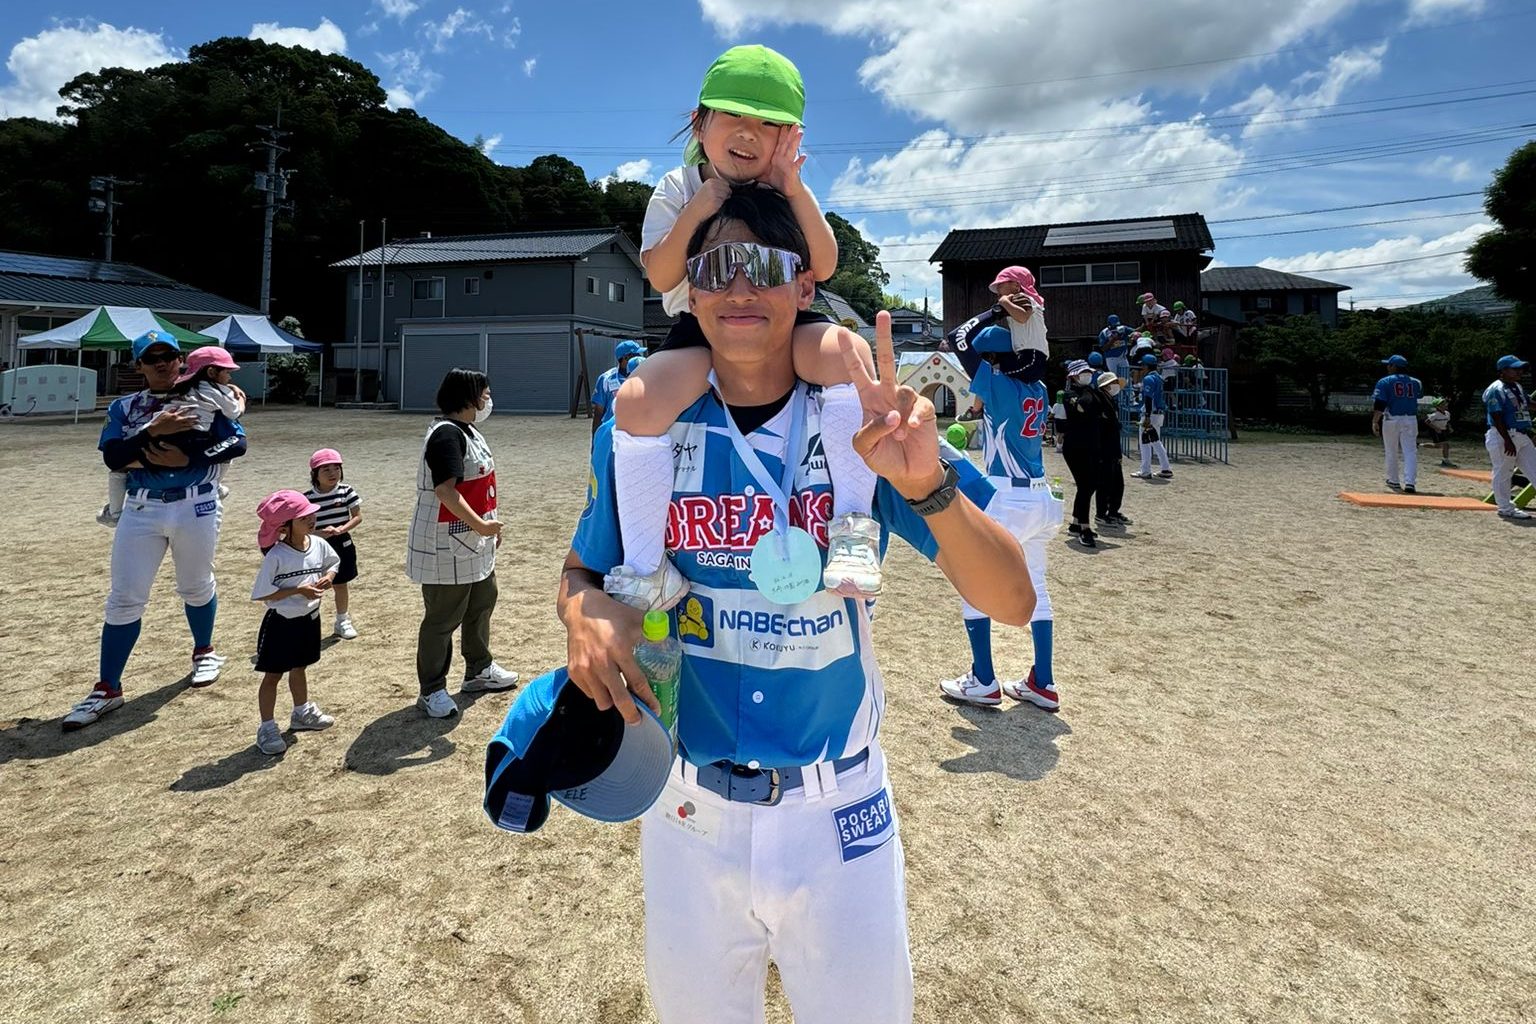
(1396, 421)
(1508, 439)
(1153, 409)
(1013, 424)
(172, 505)
(609, 381)
(776, 837)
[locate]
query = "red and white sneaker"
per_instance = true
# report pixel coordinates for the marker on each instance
(93, 707)
(1028, 690)
(970, 690)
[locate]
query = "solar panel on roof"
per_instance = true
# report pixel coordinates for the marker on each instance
(1101, 234)
(84, 270)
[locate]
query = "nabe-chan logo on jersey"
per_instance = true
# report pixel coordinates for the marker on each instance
(698, 624)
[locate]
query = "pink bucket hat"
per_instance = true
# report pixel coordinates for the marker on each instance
(1021, 277)
(325, 457)
(206, 356)
(277, 510)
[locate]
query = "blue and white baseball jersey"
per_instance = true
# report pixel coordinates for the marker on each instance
(1400, 393)
(130, 414)
(763, 684)
(1152, 392)
(608, 384)
(1013, 423)
(1112, 343)
(1510, 402)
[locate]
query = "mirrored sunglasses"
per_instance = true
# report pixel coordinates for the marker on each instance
(765, 266)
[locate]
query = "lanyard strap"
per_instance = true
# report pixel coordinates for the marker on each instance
(778, 490)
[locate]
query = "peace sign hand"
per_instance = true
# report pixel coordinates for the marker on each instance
(899, 440)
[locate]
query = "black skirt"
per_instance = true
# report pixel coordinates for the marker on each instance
(686, 332)
(347, 552)
(285, 643)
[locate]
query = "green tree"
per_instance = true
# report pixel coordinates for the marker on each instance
(859, 278)
(1303, 350)
(1506, 256)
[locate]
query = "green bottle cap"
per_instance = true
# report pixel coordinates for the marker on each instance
(657, 625)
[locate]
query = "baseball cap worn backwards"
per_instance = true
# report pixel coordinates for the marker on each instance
(753, 81)
(555, 742)
(144, 342)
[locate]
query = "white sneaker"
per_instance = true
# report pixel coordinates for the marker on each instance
(223, 492)
(106, 517)
(658, 591)
(438, 704)
(206, 668)
(970, 690)
(93, 707)
(344, 627)
(1514, 513)
(492, 677)
(853, 556)
(269, 739)
(309, 717)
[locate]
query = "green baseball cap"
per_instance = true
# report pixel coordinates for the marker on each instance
(957, 436)
(753, 81)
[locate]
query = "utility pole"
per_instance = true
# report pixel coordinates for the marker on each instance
(357, 362)
(383, 252)
(274, 187)
(104, 200)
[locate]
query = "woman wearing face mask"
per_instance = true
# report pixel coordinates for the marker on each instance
(1111, 489)
(451, 545)
(1082, 447)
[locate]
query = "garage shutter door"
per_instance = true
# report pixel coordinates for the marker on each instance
(427, 358)
(530, 372)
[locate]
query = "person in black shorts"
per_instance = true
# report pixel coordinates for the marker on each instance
(341, 510)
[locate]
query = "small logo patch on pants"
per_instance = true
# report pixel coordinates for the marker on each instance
(205, 508)
(865, 826)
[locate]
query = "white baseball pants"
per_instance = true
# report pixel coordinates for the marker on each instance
(1504, 464)
(188, 528)
(1400, 436)
(814, 883)
(1156, 447)
(1033, 517)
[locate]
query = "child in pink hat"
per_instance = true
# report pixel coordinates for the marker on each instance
(341, 510)
(1019, 300)
(205, 388)
(297, 568)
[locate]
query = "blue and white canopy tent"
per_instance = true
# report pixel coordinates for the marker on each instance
(258, 334)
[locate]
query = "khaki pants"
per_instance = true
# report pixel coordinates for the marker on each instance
(465, 607)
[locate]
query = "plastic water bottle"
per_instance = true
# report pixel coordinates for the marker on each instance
(660, 657)
(1056, 491)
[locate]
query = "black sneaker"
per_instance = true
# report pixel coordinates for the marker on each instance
(1118, 519)
(1409, 489)
(1086, 539)
(1074, 527)
(1166, 474)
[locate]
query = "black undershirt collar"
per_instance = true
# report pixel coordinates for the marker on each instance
(749, 417)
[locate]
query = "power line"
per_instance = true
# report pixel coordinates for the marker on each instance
(1345, 227)
(1339, 209)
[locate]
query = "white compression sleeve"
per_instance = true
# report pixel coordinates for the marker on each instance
(853, 482)
(642, 472)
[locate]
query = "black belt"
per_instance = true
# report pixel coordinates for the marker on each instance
(170, 493)
(741, 784)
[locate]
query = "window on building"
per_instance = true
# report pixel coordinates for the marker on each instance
(471, 286)
(367, 289)
(591, 286)
(389, 288)
(1091, 273)
(615, 291)
(1312, 302)
(428, 288)
(1263, 302)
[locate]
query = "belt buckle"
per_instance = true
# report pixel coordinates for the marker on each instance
(775, 788)
(173, 494)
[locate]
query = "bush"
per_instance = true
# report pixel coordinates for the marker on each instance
(288, 378)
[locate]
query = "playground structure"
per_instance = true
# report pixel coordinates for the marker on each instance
(1197, 425)
(929, 372)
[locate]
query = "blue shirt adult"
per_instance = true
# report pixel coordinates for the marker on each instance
(1399, 394)
(1509, 401)
(123, 439)
(1152, 392)
(1113, 342)
(608, 384)
(1015, 411)
(762, 684)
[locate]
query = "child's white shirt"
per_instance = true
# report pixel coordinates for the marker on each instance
(1030, 333)
(206, 400)
(672, 193)
(1438, 420)
(1058, 411)
(284, 567)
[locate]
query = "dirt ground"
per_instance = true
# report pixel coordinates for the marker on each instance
(1292, 778)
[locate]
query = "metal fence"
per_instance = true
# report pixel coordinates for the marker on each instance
(1197, 424)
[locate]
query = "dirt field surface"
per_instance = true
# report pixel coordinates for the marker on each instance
(1293, 777)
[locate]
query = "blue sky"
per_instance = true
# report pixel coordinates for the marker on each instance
(923, 116)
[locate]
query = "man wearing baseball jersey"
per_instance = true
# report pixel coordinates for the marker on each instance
(1153, 409)
(609, 382)
(776, 837)
(1017, 404)
(1509, 433)
(1396, 421)
(172, 505)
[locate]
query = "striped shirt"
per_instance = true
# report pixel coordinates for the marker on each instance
(336, 506)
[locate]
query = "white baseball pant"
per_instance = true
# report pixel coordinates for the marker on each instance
(1032, 517)
(188, 528)
(1155, 448)
(815, 884)
(1504, 464)
(1400, 437)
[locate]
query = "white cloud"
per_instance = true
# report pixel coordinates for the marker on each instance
(1444, 166)
(1395, 284)
(397, 9)
(529, 65)
(368, 28)
(511, 33)
(634, 170)
(460, 22)
(325, 37)
(1422, 11)
(488, 144)
(40, 65)
(409, 80)
(1313, 89)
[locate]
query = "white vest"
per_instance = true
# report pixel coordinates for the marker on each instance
(440, 548)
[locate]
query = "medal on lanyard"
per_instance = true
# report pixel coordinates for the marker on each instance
(785, 564)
